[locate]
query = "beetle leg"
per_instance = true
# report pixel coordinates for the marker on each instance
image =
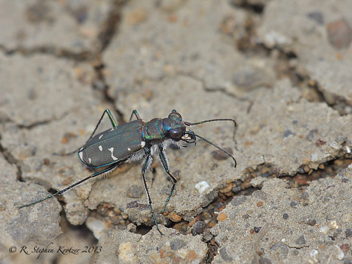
(113, 122)
(146, 165)
(164, 162)
(134, 112)
(105, 171)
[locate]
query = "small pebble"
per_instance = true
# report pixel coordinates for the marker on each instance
(287, 133)
(311, 222)
(317, 17)
(301, 240)
(198, 228)
(345, 247)
(177, 243)
(324, 229)
(340, 255)
(222, 217)
(131, 228)
(346, 218)
(264, 261)
(333, 225)
(175, 217)
(134, 192)
(339, 34)
(236, 189)
(221, 155)
(285, 216)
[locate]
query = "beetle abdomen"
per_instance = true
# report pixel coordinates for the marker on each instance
(113, 145)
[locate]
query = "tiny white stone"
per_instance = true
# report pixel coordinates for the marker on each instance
(314, 157)
(333, 225)
(202, 186)
(128, 149)
(335, 145)
(101, 136)
(142, 144)
(100, 148)
(340, 255)
(112, 129)
(324, 229)
(313, 253)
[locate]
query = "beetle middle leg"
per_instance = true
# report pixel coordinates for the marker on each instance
(146, 165)
(163, 161)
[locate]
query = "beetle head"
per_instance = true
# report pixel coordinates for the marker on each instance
(173, 126)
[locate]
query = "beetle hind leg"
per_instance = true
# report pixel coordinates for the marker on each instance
(113, 123)
(104, 171)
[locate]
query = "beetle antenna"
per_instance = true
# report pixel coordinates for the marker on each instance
(66, 154)
(217, 147)
(210, 120)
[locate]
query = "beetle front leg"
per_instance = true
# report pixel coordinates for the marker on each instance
(146, 165)
(163, 161)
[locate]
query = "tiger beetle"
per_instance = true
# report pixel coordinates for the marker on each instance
(133, 141)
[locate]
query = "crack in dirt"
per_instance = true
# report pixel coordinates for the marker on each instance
(110, 26)
(107, 32)
(40, 123)
(11, 160)
(250, 7)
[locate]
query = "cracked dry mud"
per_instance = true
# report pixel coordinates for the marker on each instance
(281, 69)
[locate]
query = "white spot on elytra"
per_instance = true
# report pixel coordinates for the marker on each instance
(128, 149)
(90, 160)
(202, 186)
(101, 136)
(112, 154)
(80, 155)
(100, 148)
(142, 144)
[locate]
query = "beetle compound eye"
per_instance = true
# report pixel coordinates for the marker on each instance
(176, 133)
(175, 115)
